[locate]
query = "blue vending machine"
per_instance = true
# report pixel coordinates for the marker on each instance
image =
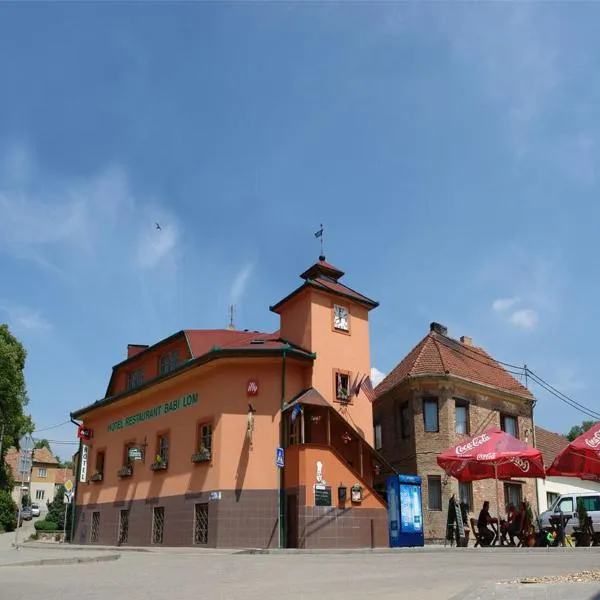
(405, 514)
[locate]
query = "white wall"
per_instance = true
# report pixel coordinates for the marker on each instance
(563, 485)
(48, 489)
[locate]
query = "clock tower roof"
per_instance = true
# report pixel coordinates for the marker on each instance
(325, 277)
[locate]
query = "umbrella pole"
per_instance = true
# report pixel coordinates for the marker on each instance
(497, 502)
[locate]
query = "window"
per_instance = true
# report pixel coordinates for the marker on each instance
(163, 448)
(590, 502)
(123, 527)
(205, 432)
(509, 424)
(551, 498)
(158, 524)
(434, 492)
(201, 524)
(342, 387)
(404, 420)
(465, 494)
(341, 320)
(377, 435)
(135, 378)
(100, 462)
(169, 362)
(39, 494)
(566, 505)
(462, 417)
(42, 472)
(95, 531)
(430, 414)
(513, 494)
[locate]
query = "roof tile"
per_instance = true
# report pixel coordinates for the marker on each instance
(437, 354)
(550, 444)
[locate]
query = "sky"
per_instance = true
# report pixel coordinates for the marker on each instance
(449, 150)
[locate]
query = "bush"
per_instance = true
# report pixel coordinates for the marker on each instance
(57, 508)
(8, 512)
(44, 525)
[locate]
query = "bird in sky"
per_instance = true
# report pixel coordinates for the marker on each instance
(158, 226)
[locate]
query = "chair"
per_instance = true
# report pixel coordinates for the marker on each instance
(475, 531)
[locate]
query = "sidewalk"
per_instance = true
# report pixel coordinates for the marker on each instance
(534, 591)
(25, 556)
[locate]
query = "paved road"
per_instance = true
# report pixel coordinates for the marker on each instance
(423, 574)
(7, 539)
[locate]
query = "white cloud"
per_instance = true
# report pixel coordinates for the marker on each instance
(239, 284)
(502, 304)
(525, 319)
(23, 318)
(376, 376)
(76, 224)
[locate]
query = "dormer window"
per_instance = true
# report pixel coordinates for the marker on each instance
(341, 318)
(169, 362)
(135, 378)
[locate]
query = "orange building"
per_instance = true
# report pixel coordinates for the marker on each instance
(182, 450)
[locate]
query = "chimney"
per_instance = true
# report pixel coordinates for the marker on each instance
(466, 340)
(438, 328)
(133, 349)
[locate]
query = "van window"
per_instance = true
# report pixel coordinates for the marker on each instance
(565, 505)
(591, 503)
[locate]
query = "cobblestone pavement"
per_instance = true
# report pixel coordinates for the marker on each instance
(445, 574)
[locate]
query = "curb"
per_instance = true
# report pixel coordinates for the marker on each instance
(62, 561)
(63, 547)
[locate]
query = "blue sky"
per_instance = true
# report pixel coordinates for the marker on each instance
(449, 150)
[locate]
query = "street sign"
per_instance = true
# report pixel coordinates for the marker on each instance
(67, 497)
(26, 443)
(25, 464)
(69, 485)
(279, 458)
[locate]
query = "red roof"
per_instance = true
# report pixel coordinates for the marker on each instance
(437, 354)
(62, 475)
(204, 340)
(550, 444)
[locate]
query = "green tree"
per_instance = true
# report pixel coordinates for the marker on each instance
(43, 443)
(577, 430)
(8, 512)
(56, 508)
(13, 398)
(26, 501)
(67, 464)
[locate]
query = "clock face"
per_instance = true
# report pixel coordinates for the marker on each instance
(340, 317)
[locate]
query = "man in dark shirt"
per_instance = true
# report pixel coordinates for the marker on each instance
(486, 534)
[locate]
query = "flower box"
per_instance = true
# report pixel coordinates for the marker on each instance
(96, 477)
(158, 466)
(126, 471)
(201, 457)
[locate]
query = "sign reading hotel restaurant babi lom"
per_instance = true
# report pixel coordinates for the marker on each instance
(151, 413)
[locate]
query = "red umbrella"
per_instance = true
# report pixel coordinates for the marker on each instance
(581, 458)
(492, 454)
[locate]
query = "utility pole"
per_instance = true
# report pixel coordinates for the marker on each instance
(26, 444)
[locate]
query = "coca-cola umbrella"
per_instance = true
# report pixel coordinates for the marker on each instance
(581, 458)
(493, 454)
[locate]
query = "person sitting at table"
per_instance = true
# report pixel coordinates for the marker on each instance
(485, 533)
(505, 524)
(518, 524)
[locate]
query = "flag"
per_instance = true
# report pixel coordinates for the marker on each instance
(355, 389)
(319, 233)
(367, 388)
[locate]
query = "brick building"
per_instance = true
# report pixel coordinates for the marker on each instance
(443, 391)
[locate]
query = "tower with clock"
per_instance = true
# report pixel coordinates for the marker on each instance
(327, 317)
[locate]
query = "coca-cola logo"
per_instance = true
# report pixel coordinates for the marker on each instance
(488, 456)
(474, 443)
(522, 463)
(594, 441)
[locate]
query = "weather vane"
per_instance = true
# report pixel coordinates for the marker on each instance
(319, 234)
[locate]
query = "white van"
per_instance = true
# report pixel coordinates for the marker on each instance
(567, 504)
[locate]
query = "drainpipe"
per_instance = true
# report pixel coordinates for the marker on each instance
(286, 347)
(75, 487)
(537, 483)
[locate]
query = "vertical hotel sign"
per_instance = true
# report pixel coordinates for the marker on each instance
(84, 461)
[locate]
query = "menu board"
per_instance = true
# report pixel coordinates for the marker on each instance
(322, 495)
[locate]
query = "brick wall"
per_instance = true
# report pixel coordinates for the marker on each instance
(417, 454)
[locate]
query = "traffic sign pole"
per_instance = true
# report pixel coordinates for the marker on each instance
(26, 444)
